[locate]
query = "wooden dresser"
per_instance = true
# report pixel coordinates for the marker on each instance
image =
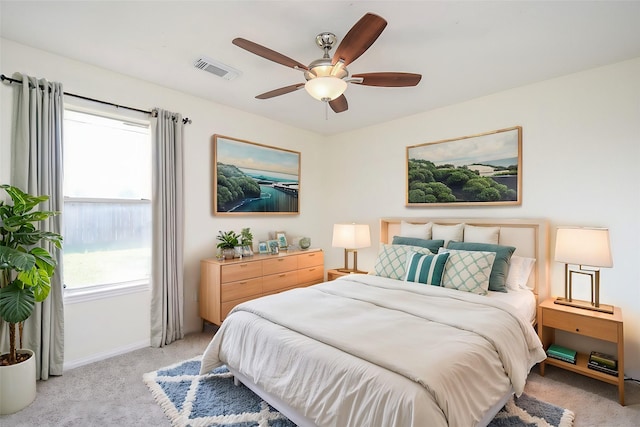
(225, 284)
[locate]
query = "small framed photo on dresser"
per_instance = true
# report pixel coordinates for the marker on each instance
(263, 248)
(281, 237)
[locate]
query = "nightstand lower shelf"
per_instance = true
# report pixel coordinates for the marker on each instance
(581, 368)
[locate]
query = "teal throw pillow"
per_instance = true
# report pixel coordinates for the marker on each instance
(432, 245)
(426, 269)
(498, 279)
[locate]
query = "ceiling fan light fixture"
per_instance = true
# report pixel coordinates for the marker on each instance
(325, 88)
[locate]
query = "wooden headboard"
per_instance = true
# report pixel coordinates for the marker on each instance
(529, 236)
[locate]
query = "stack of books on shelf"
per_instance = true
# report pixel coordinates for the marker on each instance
(562, 353)
(603, 363)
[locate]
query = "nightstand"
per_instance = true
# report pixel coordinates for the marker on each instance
(334, 273)
(601, 326)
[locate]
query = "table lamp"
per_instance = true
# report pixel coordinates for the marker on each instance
(583, 250)
(351, 237)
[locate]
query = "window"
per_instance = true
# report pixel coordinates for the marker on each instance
(107, 203)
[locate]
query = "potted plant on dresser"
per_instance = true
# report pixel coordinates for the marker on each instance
(246, 237)
(228, 241)
(25, 279)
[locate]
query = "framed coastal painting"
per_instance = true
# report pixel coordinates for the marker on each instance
(476, 170)
(251, 178)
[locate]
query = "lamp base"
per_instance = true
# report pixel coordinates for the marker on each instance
(603, 308)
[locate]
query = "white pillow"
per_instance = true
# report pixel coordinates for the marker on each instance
(481, 234)
(520, 269)
(421, 231)
(447, 232)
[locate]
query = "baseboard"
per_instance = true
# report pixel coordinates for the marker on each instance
(105, 355)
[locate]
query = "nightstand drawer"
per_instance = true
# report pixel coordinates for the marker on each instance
(583, 325)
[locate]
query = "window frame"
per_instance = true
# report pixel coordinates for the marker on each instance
(107, 290)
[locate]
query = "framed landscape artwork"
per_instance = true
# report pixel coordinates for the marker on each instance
(480, 170)
(251, 178)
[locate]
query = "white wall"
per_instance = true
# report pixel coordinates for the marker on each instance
(580, 149)
(99, 328)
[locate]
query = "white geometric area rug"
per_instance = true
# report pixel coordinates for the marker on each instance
(189, 399)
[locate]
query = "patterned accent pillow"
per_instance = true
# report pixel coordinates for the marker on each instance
(425, 269)
(500, 267)
(392, 260)
(468, 271)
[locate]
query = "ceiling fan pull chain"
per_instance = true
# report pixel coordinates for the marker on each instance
(326, 110)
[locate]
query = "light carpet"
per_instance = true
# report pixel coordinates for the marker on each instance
(189, 399)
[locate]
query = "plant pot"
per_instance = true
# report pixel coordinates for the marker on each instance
(18, 385)
(228, 253)
(247, 251)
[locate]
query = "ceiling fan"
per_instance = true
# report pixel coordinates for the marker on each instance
(327, 78)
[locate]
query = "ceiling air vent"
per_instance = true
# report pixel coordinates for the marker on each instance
(217, 68)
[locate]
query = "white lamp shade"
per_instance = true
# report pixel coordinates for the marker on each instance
(325, 88)
(351, 236)
(583, 246)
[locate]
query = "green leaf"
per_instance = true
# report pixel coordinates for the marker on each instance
(44, 260)
(16, 302)
(23, 202)
(15, 259)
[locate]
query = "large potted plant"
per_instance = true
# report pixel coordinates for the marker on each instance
(25, 279)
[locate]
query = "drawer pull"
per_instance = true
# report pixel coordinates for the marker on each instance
(243, 265)
(577, 329)
(243, 283)
(282, 275)
(281, 259)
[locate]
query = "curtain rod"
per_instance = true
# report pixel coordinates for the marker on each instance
(153, 113)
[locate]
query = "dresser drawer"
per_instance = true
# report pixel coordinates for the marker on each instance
(279, 265)
(226, 307)
(311, 274)
(310, 259)
(583, 325)
(240, 271)
(277, 282)
(240, 289)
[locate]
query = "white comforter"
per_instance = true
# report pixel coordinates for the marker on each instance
(366, 350)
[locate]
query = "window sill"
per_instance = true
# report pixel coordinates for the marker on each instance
(74, 296)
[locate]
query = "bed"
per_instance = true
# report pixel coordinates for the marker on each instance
(381, 350)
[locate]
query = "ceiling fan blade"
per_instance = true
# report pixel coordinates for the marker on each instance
(267, 53)
(388, 79)
(339, 104)
(280, 91)
(359, 38)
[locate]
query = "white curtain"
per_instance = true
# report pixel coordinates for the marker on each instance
(167, 299)
(37, 169)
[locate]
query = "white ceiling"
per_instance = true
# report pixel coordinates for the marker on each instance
(463, 49)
